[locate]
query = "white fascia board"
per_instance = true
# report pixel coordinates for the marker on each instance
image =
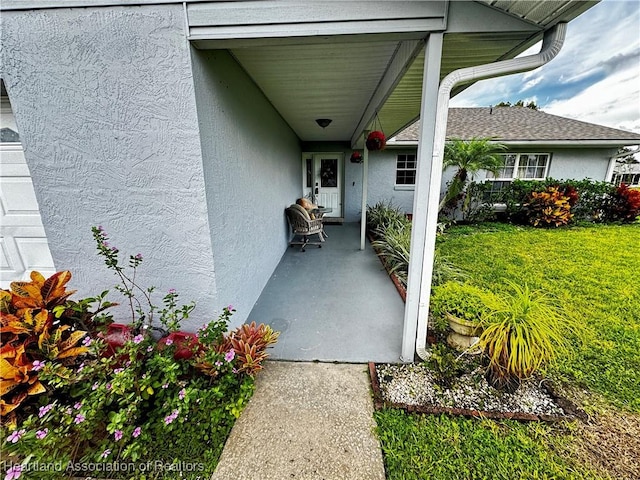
(40, 4)
(412, 28)
(470, 17)
(538, 143)
(567, 143)
(249, 13)
(402, 143)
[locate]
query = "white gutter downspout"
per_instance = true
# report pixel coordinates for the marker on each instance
(551, 45)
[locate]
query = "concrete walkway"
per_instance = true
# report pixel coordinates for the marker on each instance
(305, 421)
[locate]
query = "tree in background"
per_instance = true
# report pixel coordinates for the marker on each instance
(520, 103)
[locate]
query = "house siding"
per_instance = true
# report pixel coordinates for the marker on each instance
(580, 163)
(105, 103)
(252, 171)
(566, 163)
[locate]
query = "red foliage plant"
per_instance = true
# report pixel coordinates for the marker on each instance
(626, 204)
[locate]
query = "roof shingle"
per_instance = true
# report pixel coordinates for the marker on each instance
(513, 124)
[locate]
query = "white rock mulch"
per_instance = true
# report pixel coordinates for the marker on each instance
(414, 385)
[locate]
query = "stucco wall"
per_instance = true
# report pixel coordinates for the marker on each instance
(565, 164)
(105, 105)
(581, 163)
(252, 166)
(382, 178)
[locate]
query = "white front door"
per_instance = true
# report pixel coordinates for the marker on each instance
(324, 180)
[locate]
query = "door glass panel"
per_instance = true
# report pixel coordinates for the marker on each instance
(309, 172)
(329, 172)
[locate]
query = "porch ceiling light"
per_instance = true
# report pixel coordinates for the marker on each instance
(323, 122)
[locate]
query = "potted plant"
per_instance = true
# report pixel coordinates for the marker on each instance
(523, 331)
(376, 140)
(462, 305)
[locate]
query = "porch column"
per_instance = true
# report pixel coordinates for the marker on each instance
(426, 180)
(365, 187)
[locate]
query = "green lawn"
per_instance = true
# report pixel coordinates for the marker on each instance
(593, 272)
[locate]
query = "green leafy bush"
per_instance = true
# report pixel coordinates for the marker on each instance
(462, 300)
(383, 215)
(393, 242)
(113, 405)
(587, 197)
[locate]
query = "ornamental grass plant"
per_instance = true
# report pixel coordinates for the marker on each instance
(523, 330)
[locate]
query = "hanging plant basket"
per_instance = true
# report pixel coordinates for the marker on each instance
(376, 141)
(356, 157)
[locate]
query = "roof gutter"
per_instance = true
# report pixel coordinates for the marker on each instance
(551, 45)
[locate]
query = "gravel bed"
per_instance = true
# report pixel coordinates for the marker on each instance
(413, 384)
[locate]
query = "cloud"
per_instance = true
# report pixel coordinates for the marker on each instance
(594, 78)
(531, 83)
(614, 102)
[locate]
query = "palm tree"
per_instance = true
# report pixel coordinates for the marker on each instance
(469, 156)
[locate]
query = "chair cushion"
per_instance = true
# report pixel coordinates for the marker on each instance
(301, 210)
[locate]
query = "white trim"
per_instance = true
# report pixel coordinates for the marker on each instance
(414, 169)
(516, 167)
(397, 67)
(417, 309)
(424, 178)
(365, 187)
(536, 143)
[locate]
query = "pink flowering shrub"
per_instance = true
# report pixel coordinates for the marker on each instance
(113, 407)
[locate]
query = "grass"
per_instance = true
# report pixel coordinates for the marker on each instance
(418, 447)
(592, 271)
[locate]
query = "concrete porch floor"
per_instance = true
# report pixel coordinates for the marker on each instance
(333, 304)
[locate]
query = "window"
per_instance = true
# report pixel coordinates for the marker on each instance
(629, 179)
(525, 166)
(406, 169)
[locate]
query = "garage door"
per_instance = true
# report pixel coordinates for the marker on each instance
(23, 243)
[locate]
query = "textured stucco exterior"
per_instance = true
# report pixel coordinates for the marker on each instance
(580, 164)
(252, 171)
(104, 100)
(566, 163)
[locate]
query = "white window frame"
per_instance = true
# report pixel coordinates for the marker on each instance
(517, 168)
(405, 186)
(629, 179)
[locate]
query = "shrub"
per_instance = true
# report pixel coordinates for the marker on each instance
(623, 204)
(393, 245)
(33, 338)
(383, 215)
(462, 300)
(548, 208)
(113, 407)
(587, 198)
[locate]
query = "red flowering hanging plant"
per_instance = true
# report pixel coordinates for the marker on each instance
(376, 140)
(356, 157)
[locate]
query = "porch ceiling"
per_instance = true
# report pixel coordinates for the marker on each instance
(349, 76)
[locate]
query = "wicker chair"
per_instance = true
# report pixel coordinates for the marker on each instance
(302, 225)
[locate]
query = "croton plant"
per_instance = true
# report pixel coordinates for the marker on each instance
(32, 336)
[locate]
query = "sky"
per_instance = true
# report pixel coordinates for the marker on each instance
(595, 77)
